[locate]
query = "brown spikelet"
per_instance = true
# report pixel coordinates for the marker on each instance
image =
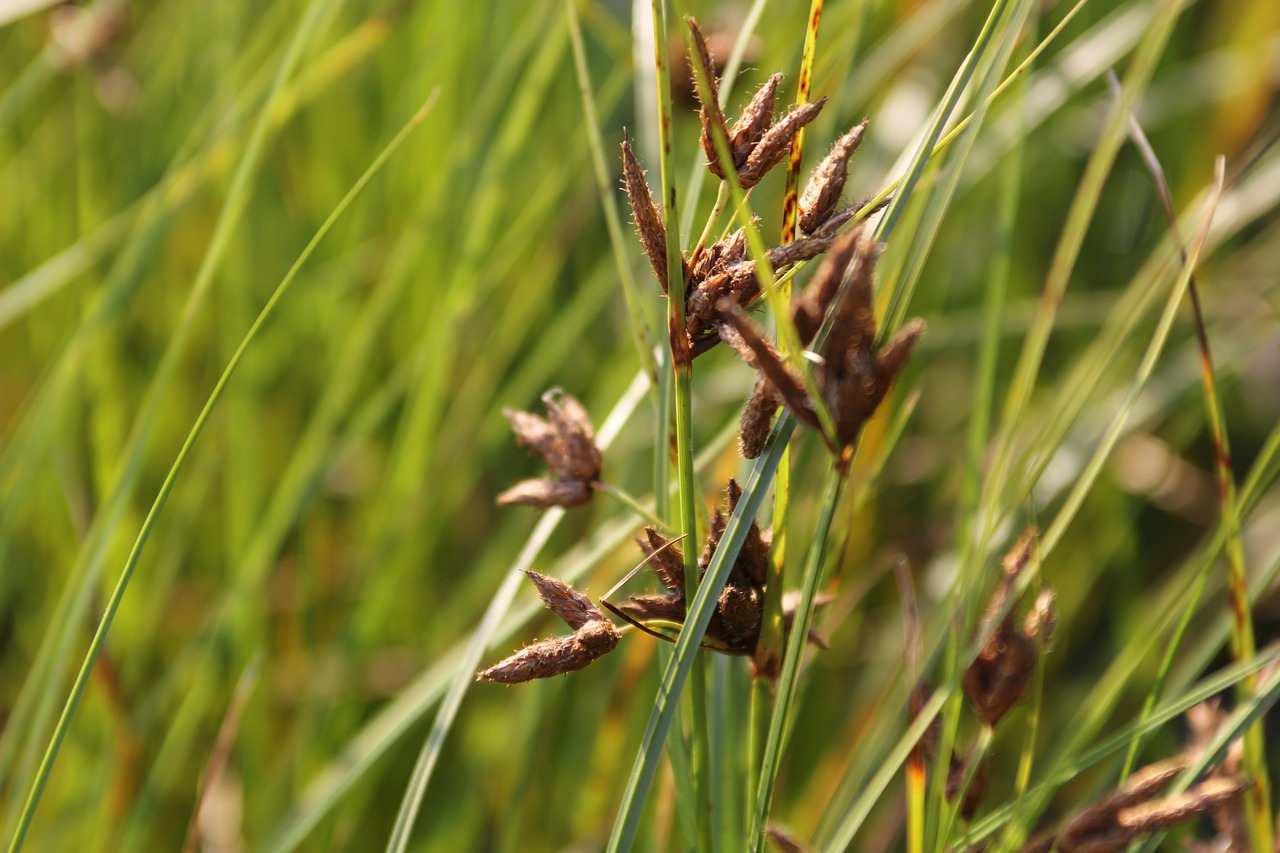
(776, 142)
(803, 249)
(789, 388)
(757, 418)
(654, 608)
(546, 493)
(734, 627)
(1130, 812)
(1146, 818)
(816, 299)
(594, 636)
(563, 600)
(754, 122)
(667, 560)
(852, 377)
(822, 193)
(566, 441)
(653, 234)
(998, 677)
(709, 110)
(557, 656)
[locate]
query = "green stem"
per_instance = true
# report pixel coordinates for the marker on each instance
(698, 617)
(796, 643)
(682, 367)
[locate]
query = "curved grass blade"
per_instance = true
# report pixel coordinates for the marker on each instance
(701, 608)
(117, 595)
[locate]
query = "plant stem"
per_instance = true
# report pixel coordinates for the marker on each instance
(682, 367)
(798, 639)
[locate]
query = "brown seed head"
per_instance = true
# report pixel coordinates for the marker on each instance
(563, 600)
(754, 122)
(594, 636)
(776, 142)
(667, 560)
(566, 441)
(709, 109)
(998, 677)
(653, 234)
(822, 194)
(757, 418)
(789, 254)
(852, 377)
(735, 624)
(557, 656)
(546, 493)
(1129, 813)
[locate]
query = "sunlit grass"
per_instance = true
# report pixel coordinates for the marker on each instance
(331, 544)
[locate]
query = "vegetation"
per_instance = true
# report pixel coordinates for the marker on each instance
(271, 274)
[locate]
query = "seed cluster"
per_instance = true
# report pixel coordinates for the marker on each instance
(1132, 811)
(567, 442)
(593, 637)
(735, 625)
(852, 377)
(722, 271)
(998, 676)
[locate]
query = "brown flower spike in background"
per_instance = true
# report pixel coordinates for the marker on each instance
(998, 677)
(567, 442)
(1130, 813)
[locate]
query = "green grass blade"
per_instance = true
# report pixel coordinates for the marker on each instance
(627, 823)
(113, 603)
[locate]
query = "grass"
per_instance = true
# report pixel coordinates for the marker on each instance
(268, 591)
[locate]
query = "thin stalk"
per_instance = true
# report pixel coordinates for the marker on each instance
(682, 368)
(1243, 647)
(630, 502)
(769, 646)
(799, 638)
(639, 328)
(790, 200)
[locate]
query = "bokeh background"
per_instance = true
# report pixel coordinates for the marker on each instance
(331, 542)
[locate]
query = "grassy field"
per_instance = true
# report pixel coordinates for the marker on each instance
(270, 273)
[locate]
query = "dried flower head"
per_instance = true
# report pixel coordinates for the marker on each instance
(823, 191)
(1129, 812)
(722, 271)
(566, 441)
(734, 627)
(653, 234)
(593, 637)
(852, 377)
(998, 677)
(756, 142)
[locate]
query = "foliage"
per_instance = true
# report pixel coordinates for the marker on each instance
(309, 566)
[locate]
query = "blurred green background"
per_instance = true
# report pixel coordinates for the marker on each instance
(332, 540)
